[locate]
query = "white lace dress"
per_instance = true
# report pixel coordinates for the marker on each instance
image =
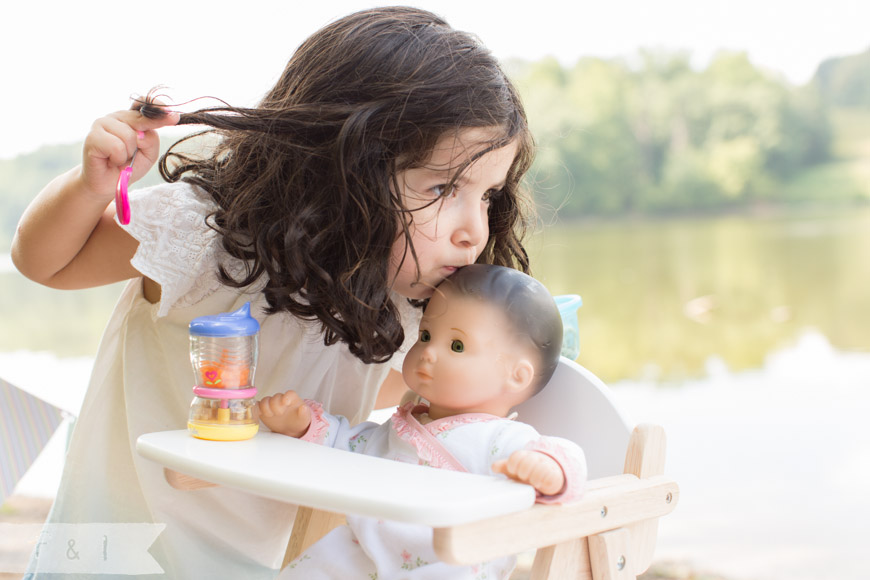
(142, 382)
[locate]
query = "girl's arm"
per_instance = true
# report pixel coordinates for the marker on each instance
(67, 237)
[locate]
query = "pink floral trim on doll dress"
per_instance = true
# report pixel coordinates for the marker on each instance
(424, 437)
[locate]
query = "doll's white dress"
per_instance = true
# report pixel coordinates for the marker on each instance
(142, 382)
(372, 549)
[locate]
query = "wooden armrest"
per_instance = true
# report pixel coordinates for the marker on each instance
(609, 503)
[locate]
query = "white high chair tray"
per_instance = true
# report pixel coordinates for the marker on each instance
(308, 474)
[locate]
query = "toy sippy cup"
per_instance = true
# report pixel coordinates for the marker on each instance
(223, 352)
(568, 305)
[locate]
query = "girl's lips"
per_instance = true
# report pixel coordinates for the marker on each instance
(448, 270)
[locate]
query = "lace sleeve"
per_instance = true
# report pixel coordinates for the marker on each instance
(177, 249)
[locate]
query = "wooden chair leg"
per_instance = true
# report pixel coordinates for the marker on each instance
(610, 557)
(309, 526)
(567, 560)
(645, 458)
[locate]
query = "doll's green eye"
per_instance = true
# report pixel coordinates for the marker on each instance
(457, 346)
(425, 336)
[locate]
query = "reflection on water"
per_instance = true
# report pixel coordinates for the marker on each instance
(660, 298)
(66, 323)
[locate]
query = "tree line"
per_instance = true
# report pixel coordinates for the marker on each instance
(655, 135)
(645, 135)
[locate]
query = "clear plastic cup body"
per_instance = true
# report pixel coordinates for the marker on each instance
(223, 353)
(221, 365)
(224, 362)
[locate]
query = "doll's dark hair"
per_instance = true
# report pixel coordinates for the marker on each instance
(306, 183)
(527, 305)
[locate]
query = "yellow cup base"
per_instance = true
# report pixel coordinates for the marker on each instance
(217, 432)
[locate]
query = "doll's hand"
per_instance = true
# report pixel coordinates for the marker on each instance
(110, 145)
(286, 413)
(534, 468)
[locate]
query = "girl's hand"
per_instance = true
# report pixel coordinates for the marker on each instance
(286, 413)
(534, 468)
(110, 145)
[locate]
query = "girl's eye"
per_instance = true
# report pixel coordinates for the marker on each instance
(443, 191)
(425, 336)
(457, 346)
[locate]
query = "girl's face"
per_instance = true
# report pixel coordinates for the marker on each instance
(449, 229)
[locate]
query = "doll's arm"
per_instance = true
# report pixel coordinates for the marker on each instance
(286, 413)
(555, 467)
(534, 468)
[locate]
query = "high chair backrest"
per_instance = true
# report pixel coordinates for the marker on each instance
(576, 405)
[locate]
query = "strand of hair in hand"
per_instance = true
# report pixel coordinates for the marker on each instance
(227, 117)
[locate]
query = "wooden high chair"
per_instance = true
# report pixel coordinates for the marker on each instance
(609, 534)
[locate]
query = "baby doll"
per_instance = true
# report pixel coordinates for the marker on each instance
(489, 339)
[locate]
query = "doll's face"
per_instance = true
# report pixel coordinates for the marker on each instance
(466, 357)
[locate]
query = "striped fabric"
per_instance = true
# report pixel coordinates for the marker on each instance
(26, 425)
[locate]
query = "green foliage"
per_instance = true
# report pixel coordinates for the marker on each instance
(24, 176)
(845, 81)
(648, 135)
(655, 135)
(846, 177)
(67, 323)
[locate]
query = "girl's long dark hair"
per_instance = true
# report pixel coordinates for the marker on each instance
(305, 182)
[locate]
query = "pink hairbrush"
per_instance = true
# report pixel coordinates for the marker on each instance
(122, 202)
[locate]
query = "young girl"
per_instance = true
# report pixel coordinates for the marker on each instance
(388, 155)
(489, 339)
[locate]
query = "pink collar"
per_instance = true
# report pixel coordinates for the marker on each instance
(424, 437)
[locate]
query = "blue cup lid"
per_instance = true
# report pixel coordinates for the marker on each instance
(568, 303)
(238, 323)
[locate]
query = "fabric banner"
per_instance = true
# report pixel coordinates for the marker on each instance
(26, 425)
(90, 549)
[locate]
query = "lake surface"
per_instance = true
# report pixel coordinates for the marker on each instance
(660, 298)
(748, 339)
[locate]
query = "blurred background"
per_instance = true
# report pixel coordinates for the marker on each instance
(703, 182)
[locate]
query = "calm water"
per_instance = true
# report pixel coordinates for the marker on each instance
(660, 298)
